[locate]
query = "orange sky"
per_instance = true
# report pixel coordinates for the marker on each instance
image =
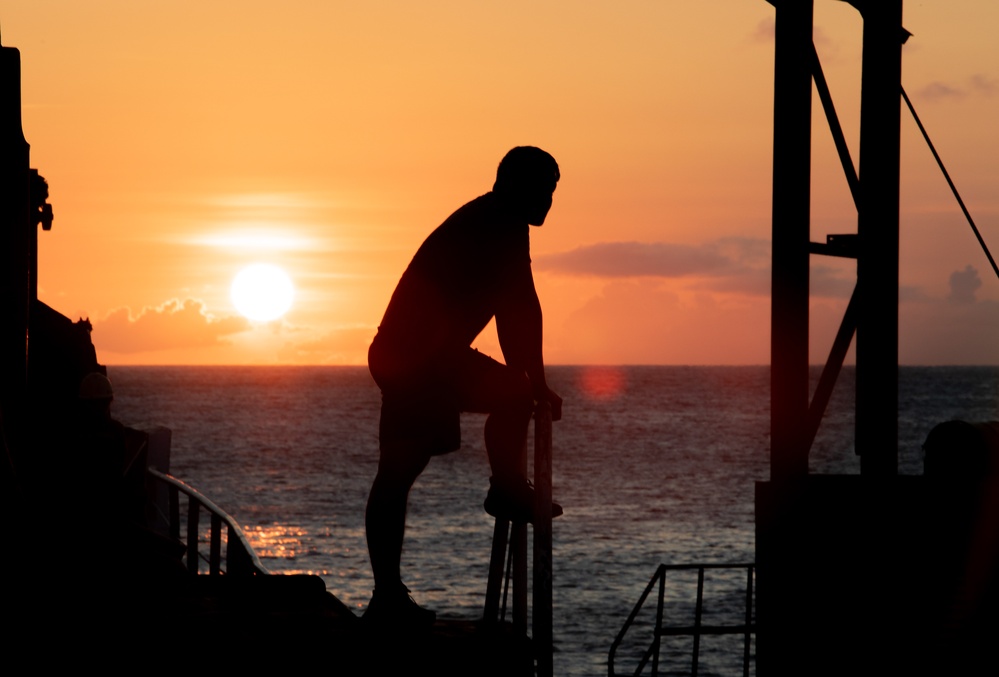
(185, 140)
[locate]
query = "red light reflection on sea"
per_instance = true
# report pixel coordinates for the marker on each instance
(602, 383)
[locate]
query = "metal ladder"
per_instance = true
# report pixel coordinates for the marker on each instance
(508, 561)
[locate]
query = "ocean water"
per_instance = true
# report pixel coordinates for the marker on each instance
(652, 465)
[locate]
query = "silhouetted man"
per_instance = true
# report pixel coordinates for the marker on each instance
(473, 267)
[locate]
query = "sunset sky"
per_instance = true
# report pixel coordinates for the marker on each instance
(185, 140)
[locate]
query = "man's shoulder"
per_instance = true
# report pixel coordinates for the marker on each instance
(481, 208)
(480, 233)
(487, 214)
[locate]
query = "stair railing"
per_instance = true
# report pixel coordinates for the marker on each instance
(747, 628)
(239, 560)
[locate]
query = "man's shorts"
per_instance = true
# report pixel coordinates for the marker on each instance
(422, 399)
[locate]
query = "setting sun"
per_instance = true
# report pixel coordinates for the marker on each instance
(657, 246)
(262, 292)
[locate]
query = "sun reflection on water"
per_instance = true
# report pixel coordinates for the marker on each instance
(277, 541)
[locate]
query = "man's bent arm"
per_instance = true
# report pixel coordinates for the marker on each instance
(519, 327)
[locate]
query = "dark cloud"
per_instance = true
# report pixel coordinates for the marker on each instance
(831, 283)
(175, 324)
(751, 282)
(643, 322)
(983, 84)
(963, 285)
(939, 90)
(749, 251)
(637, 259)
(728, 265)
(941, 332)
(978, 83)
(910, 294)
(765, 30)
(958, 329)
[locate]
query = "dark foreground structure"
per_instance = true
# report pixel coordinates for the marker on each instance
(873, 573)
(106, 562)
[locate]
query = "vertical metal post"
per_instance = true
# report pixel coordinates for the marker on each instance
(215, 546)
(660, 613)
(32, 239)
(698, 613)
(878, 228)
(193, 510)
(791, 236)
(14, 231)
(748, 621)
(237, 560)
(542, 603)
(518, 545)
(174, 495)
(497, 561)
(508, 539)
(518, 549)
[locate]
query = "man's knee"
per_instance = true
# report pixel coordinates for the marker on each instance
(515, 390)
(487, 386)
(398, 466)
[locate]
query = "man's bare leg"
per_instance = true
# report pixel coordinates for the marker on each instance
(506, 441)
(385, 526)
(505, 393)
(510, 495)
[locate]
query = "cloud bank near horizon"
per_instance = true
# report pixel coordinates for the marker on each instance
(713, 312)
(174, 324)
(729, 265)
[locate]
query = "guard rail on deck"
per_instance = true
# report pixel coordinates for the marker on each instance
(747, 628)
(239, 560)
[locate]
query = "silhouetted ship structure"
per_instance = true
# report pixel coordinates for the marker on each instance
(110, 560)
(876, 573)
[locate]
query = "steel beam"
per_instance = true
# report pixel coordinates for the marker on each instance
(791, 206)
(878, 229)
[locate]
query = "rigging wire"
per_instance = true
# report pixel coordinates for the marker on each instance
(953, 188)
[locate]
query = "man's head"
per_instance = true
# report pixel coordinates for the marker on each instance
(526, 179)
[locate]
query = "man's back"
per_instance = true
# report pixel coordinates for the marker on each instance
(473, 264)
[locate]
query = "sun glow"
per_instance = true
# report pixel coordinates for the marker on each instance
(262, 292)
(602, 383)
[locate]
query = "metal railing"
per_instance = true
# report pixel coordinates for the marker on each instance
(695, 630)
(510, 546)
(239, 559)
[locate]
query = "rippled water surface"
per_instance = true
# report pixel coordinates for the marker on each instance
(652, 464)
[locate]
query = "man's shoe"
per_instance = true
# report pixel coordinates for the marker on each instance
(396, 607)
(513, 500)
